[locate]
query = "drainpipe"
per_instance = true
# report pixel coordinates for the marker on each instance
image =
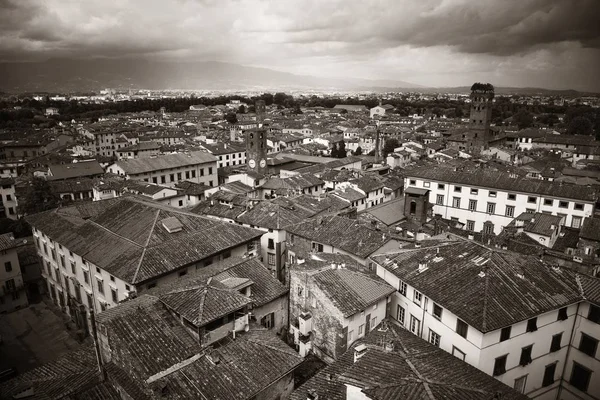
(97, 346)
(562, 376)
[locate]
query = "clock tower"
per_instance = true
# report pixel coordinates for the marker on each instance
(256, 150)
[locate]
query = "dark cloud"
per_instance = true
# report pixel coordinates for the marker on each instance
(439, 40)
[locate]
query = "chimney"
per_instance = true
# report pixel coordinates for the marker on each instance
(311, 394)
(417, 245)
(359, 351)
(471, 236)
(422, 266)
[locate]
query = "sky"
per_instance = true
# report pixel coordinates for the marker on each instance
(436, 43)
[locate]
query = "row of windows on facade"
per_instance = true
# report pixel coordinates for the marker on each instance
(233, 156)
(188, 174)
(588, 345)
(510, 196)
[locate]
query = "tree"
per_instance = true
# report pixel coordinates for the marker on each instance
(358, 151)
(389, 146)
(231, 117)
(39, 197)
(342, 150)
(580, 126)
(523, 119)
(242, 109)
(279, 98)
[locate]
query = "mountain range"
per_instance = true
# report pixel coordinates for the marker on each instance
(67, 75)
(91, 75)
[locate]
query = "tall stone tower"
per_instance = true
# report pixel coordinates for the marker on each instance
(260, 109)
(482, 95)
(256, 150)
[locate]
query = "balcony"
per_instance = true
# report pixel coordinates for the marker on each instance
(217, 332)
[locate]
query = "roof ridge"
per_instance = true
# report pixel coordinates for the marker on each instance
(485, 300)
(423, 380)
(270, 346)
(114, 233)
(137, 269)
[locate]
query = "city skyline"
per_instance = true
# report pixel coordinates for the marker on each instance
(548, 44)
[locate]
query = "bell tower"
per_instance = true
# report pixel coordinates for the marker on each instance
(482, 95)
(256, 150)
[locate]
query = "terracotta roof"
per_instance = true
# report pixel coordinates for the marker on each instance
(125, 240)
(357, 239)
(75, 170)
(501, 180)
(591, 229)
(512, 288)
(67, 377)
(538, 223)
(149, 164)
(411, 368)
(351, 291)
(273, 215)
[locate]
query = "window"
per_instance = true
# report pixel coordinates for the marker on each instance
(531, 199)
(300, 290)
(210, 170)
(86, 277)
(500, 365)
(350, 336)
(434, 338)
(271, 259)
(440, 199)
(226, 254)
(373, 323)
(576, 222)
(456, 202)
(73, 268)
(412, 182)
(361, 330)
(520, 384)
(594, 314)
(505, 333)
(563, 204)
(271, 244)
(100, 285)
(472, 205)
(526, 355)
(555, 345)
(182, 273)
(179, 176)
(578, 206)
(317, 246)
(549, 375)
(474, 191)
(488, 228)
(512, 196)
(114, 296)
(441, 186)
(8, 266)
(194, 172)
(437, 311)
(510, 211)
(187, 174)
(530, 210)
(532, 325)
(491, 208)
(588, 345)
(456, 352)
(493, 193)
(154, 180)
(163, 179)
(580, 377)
(268, 321)
(415, 325)
(470, 225)
(461, 327)
(458, 189)
(400, 314)
(562, 314)
(417, 298)
(171, 177)
(426, 184)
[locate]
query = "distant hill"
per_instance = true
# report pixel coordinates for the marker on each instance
(69, 75)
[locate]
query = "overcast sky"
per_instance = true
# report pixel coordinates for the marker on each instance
(545, 43)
